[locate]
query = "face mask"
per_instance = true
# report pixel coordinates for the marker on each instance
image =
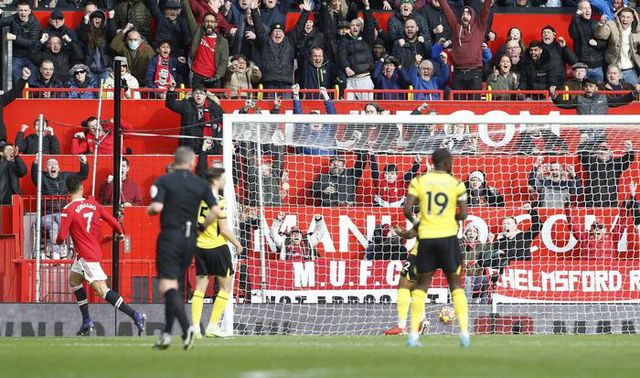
(133, 45)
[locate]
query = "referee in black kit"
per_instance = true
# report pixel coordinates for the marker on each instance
(176, 196)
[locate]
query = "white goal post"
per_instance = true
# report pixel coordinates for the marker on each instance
(554, 217)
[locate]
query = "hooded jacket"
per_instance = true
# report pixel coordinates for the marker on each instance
(612, 31)
(98, 59)
(467, 40)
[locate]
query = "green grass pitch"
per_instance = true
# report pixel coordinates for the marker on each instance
(603, 356)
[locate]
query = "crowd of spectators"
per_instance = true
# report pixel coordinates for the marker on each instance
(426, 46)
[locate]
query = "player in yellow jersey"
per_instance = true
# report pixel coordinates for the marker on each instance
(408, 279)
(439, 195)
(213, 258)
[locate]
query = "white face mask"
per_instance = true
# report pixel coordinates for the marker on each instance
(133, 45)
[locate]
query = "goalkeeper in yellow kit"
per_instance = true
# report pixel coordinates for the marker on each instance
(213, 258)
(439, 195)
(408, 279)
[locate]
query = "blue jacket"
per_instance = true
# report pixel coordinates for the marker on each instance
(306, 136)
(91, 83)
(312, 77)
(605, 7)
(437, 82)
(399, 80)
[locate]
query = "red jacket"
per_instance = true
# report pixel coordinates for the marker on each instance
(87, 144)
(130, 193)
(467, 41)
(200, 8)
(607, 247)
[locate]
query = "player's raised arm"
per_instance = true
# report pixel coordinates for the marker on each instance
(461, 214)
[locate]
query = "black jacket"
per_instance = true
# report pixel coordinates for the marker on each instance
(395, 27)
(601, 189)
(558, 57)
(62, 61)
(29, 145)
(312, 77)
(27, 34)
(55, 186)
(435, 16)
(177, 33)
(10, 172)
(519, 247)
(598, 104)
(345, 185)
(355, 53)
(192, 125)
(6, 99)
(536, 76)
(581, 31)
(407, 54)
(276, 59)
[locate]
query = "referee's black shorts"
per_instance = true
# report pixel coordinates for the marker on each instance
(442, 253)
(174, 253)
(214, 261)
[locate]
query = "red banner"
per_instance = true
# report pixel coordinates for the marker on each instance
(541, 280)
(552, 280)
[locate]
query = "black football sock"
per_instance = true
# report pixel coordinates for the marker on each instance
(178, 309)
(118, 302)
(81, 298)
(169, 313)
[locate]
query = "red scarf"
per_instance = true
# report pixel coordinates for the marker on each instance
(163, 77)
(207, 122)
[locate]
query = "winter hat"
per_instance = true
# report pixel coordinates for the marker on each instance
(98, 13)
(78, 67)
(477, 175)
(276, 26)
(172, 4)
(56, 14)
(579, 65)
(406, 2)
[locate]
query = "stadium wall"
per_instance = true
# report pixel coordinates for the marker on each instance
(24, 320)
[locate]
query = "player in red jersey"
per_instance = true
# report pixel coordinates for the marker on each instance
(82, 219)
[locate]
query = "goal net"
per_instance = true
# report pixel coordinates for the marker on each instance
(551, 243)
